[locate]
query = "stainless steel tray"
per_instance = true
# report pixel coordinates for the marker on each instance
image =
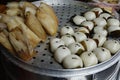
(44, 62)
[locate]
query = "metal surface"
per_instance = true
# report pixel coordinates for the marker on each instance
(43, 63)
(113, 76)
(17, 73)
(118, 76)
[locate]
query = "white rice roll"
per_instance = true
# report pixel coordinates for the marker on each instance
(105, 15)
(113, 22)
(68, 39)
(112, 45)
(61, 53)
(97, 9)
(89, 58)
(55, 43)
(79, 36)
(101, 39)
(100, 30)
(83, 30)
(66, 30)
(90, 15)
(100, 21)
(78, 19)
(76, 48)
(102, 54)
(88, 24)
(72, 61)
(89, 44)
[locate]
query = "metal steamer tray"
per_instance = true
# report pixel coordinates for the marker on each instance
(44, 63)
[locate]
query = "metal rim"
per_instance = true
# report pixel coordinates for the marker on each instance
(61, 72)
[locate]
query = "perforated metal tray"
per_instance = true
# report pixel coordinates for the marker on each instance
(44, 62)
(64, 10)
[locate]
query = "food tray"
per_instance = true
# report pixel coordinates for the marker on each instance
(44, 62)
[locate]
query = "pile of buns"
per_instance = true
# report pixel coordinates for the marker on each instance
(23, 25)
(87, 41)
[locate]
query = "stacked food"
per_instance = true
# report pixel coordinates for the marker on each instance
(90, 42)
(23, 25)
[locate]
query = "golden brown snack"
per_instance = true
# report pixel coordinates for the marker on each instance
(2, 26)
(5, 42)
(15, 21)
(47, 21)
(30, 9)
(12, 5)
(48, 9)
(34, 39)
(33, 23)
(10, 21)
(21, 44)
(14, 12)
(24, 4)
(4, 18)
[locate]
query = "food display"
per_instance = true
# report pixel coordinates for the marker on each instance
(85, 42)
(90, 43)
(24, 25)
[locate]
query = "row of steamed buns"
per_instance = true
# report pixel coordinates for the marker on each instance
(89, 43)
